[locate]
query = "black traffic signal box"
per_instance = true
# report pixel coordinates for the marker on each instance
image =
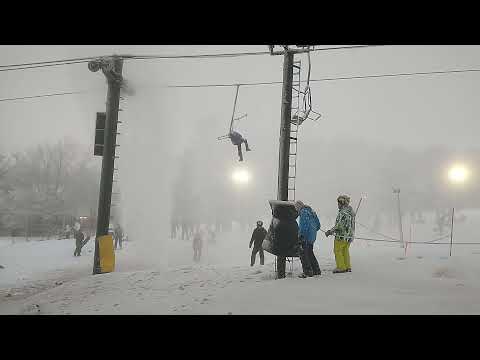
(99, 133)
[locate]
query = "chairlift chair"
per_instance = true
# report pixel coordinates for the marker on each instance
(307, 99)
(236, 138)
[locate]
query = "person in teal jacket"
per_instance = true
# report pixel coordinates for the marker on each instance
(308, 226)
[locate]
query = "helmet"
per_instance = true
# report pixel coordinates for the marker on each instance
(344, 199)
(259, 223)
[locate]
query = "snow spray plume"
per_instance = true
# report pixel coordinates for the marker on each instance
(144, 171)
(127, 88)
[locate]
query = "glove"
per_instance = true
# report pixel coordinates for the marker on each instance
(250, 246)
(328, 233)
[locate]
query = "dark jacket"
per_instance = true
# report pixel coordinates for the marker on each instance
(282, 237)
(118, 233)
(257, 236)
(236, 138)
(79, 237)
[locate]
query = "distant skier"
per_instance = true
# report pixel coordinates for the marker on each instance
(258, 236)
(344, 233)
(118, 235)
(237, 140)
(197, 246)
(80, 240)
(308, 226)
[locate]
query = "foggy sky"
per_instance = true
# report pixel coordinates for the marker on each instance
(412, 113)
(419, 110)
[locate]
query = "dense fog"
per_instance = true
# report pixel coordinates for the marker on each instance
(374, 135)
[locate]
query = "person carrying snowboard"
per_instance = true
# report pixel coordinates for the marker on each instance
(258, 236)
(344, 233)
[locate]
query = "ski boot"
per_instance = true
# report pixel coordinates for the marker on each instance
(338, 271)
(304, 276)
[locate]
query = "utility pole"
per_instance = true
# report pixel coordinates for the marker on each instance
(397, 191)
(112, 69)
(284, 140)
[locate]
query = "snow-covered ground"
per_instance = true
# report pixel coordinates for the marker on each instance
(44, 277)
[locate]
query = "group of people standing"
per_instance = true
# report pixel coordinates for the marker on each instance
(308, 226)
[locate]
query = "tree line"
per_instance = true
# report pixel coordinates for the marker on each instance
(46, 187)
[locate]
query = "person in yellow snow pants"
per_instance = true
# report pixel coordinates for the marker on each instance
(342, 254)
(344, 234)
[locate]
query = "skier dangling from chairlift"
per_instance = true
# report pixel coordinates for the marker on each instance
(235, 137)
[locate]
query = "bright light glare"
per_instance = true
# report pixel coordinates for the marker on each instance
(458, 174)
(241, 176)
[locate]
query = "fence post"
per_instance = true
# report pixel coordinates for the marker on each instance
(26, 227)
(451, 232)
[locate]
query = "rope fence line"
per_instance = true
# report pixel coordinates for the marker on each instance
(430, 242)
(440, 238)
(375, 232)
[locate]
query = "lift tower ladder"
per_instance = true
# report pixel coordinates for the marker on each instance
(296, 112)
(295, 125)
